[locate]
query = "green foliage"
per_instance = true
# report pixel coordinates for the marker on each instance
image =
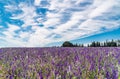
(111, 43)
(2, 72)
(67, 44)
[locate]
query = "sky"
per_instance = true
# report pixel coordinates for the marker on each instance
(42, 23)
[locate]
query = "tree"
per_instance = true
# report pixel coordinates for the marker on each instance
(67, 44)
(107, 43)
(93, 44)
(118, 43)
(75, 45)
(88, 45)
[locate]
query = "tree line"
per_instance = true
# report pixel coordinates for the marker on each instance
(112, 43)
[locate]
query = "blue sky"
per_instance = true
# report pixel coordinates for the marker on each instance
(33, 23)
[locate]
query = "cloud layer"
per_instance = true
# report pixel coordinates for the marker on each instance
(41, 22)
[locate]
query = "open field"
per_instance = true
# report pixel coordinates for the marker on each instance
(60, 63)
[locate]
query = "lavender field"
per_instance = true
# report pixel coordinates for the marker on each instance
(60, 63)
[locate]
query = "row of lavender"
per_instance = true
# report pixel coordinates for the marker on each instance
(60, 63)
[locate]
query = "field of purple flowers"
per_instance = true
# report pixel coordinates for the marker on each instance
(60, 63)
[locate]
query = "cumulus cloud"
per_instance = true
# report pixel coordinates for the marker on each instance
(37, 2)
(49, 21)
(27, 16)
(103, 7)
(10, 31)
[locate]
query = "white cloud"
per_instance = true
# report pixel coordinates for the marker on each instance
(86, 26)
(38, 38)
(37, 2)
(52, 22)
(24, 35)
(8, 42)
(10, 32)
(27, 16)
(59, 5)
(12, 28)
(10, 8)
(9, 39)
(1, 26)
(103, 7)
(72, 19)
